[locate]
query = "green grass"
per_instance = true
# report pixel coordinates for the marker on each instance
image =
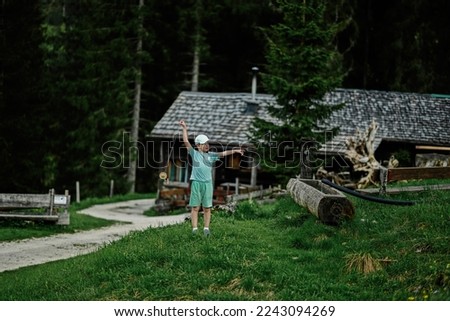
(11, 230)
(277, 252)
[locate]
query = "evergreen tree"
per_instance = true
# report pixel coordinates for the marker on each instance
(303, 65)
(402, 46)
(58, 109)
(131, 174)
(92, 68)
(22, 113)
(235, 42)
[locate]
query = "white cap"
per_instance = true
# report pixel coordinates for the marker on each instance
(201, 139)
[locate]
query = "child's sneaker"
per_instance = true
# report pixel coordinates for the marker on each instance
(194, 231)
(206, 232)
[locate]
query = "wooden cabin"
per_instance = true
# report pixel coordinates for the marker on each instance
(411, 125)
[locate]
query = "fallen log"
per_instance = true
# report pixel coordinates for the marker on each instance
(329, 205)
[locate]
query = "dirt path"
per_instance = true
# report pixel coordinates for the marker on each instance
(14, 255)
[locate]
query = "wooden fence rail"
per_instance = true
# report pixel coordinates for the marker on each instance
(407, 173)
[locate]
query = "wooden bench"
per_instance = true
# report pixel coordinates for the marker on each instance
(37, 207)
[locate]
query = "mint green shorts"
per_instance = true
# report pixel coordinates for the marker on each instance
(201, 194)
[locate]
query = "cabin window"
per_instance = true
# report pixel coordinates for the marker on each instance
(233, 161)
(178, 171)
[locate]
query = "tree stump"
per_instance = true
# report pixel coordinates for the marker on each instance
(329, 205)
(361, 153)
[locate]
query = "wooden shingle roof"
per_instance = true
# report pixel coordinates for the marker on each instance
(403, 117)
(224, 117)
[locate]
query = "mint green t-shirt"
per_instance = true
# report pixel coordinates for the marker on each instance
(202, 164)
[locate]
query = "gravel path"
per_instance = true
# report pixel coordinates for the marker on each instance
(14, 255)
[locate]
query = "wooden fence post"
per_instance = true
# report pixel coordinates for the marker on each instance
(77, 191)
(111, 188)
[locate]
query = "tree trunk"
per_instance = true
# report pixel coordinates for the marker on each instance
(195, 68)
(328, 204)
(131, 175)
(197, 46)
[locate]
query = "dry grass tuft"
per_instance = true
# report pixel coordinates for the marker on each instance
(362, 263)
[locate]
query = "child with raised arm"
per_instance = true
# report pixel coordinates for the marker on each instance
(201, 177)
